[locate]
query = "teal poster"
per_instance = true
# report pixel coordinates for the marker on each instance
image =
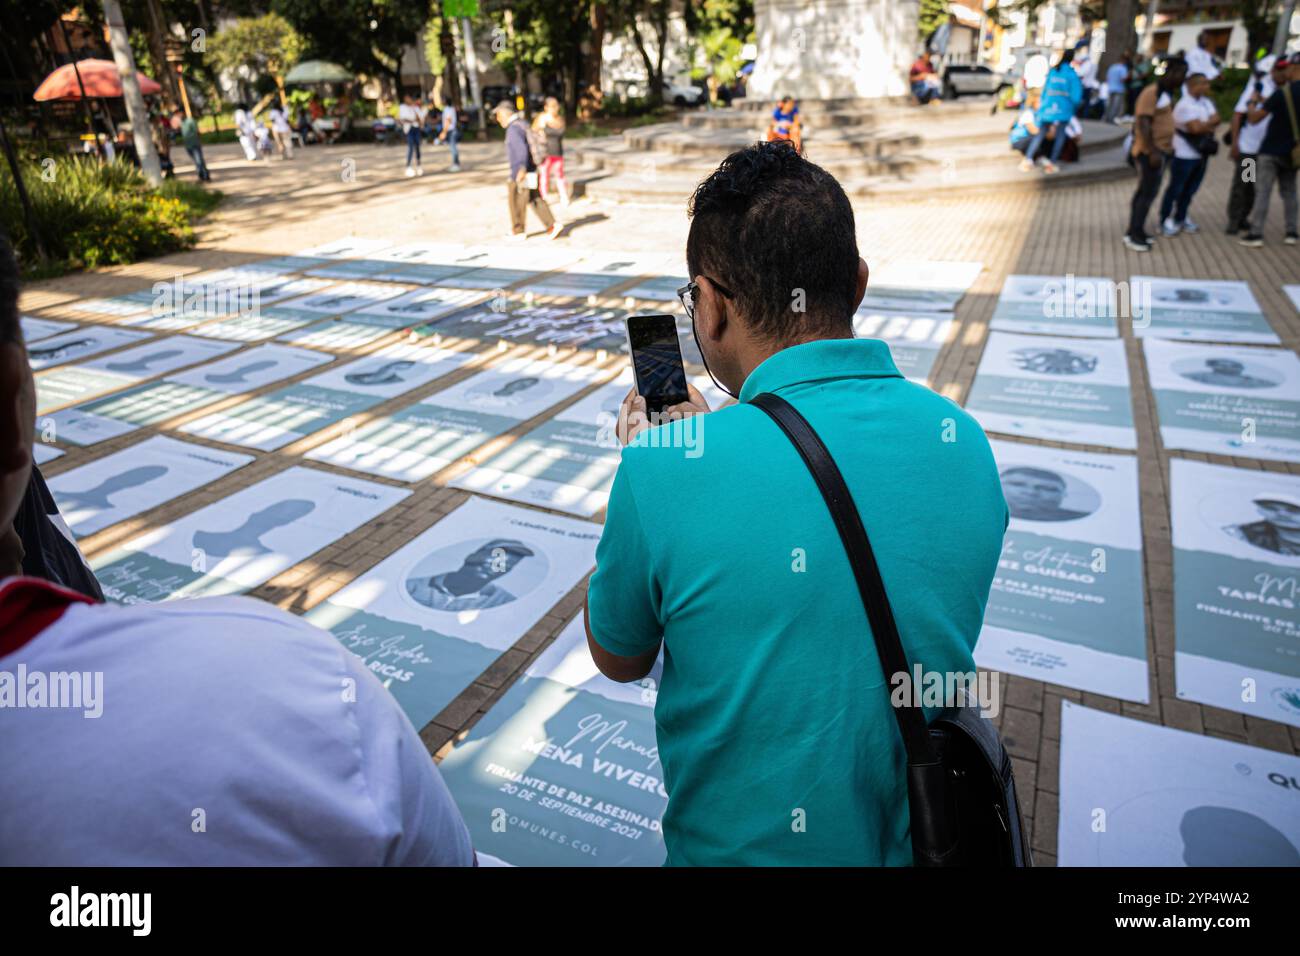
(564, 769)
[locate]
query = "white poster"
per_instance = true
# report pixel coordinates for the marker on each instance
(413, 308)
(68, 384)
(415, 442)
(1135, 794)
(267, 422)
(1228, 400)
(919, 285)
(1066, 606)
(1293, 293)
(257, 325)
(573, 760)
(1198, 309)
(44, 453)
(599, 272)
(117, 306)
(432, 616)
(79, 344)
(152, 403)
(239, 542)
(35, 329)
(348, 297)
(335, 335)
(1068, 390)
(1057, 305)
(914, 340)
(1237, 588)
(349, 247)
(126, 483)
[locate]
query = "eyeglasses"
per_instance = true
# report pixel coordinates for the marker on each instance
(686, 295)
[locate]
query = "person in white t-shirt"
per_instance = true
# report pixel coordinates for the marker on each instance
(411, 118)
(450, 134)
(1246, 140)
(1202, 61)
(244, 129)
(281, 131)
(211, 731)
(1195, 119)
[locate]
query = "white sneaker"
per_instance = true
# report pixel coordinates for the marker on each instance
(1170, 228)
(1026, 165)
(555, 231)
(409, 172)
(455, 168)
(419, 170)
(1189, 226)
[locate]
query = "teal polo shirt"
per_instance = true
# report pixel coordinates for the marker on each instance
(777, 740)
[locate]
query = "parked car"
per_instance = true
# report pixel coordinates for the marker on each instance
(675, 93)
(968, 78)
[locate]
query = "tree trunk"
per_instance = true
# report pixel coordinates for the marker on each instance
(135, 108)
(655, 93)
(1121, 31)
(450, 75)
(158, 50)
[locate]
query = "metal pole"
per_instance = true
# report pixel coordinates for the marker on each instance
(1283, 28)
(85, 103)
(135, 108)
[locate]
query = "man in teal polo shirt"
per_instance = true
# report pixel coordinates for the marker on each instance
(774, 725)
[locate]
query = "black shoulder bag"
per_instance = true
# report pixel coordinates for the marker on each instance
(960, 790)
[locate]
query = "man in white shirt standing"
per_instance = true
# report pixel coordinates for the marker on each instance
(244, 127)
(281, 131)
(1246, 140)
(1195, 119)
(1202, 61)
(214, 731)
(450, 134)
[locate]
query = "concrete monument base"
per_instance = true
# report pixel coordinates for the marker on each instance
(833, 49)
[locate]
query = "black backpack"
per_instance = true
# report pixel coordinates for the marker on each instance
(960, 790)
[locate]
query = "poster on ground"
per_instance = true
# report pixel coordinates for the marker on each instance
(267, 422)
(431, 617)
(598, 272)
(1136, 794)
(914, 340)
(920, 285)
(1198, 309)
(79, 344)
(414, 442)
(1225, 399)
(35, 329)
(564, 769)
(565, 325)
(244, 540)
(151, 403)
(1068, 390)
(1067, 603)
(1057, 305)
(68, 384)
(136, 479)
(257, 326)
(1236, 536)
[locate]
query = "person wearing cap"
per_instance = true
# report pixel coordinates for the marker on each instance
(521, 189)
(1277, 154)
(1247, 137)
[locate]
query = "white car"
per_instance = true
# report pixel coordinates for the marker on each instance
(673, 92)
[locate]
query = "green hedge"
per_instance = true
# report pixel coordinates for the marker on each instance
(92, 214)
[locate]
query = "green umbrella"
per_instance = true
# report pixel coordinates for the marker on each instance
(318, 71)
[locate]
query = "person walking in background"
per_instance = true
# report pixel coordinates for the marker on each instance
(1195, 119)
(1246, 140)
(411, 118)
(450, 134)
(244, 130)
(1116, 86)
(1061, 96)
(1279, 152)
(193, 143)
(281, 131)
(1153, 141)
(550, 123)
(521, 188)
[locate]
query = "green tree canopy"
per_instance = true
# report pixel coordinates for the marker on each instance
(265, 44)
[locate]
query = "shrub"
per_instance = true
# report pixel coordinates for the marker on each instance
(93, 214)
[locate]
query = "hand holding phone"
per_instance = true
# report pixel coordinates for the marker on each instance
(657, 362)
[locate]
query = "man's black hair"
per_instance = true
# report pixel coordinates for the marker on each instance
(777, 231)
(10, 330)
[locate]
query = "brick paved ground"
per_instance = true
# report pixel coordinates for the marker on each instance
(279, 208)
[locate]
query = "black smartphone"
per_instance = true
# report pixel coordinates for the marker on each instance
(657, 361)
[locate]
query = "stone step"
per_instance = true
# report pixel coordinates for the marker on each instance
(897, 178)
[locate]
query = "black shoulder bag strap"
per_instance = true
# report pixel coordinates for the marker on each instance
(931, 840)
